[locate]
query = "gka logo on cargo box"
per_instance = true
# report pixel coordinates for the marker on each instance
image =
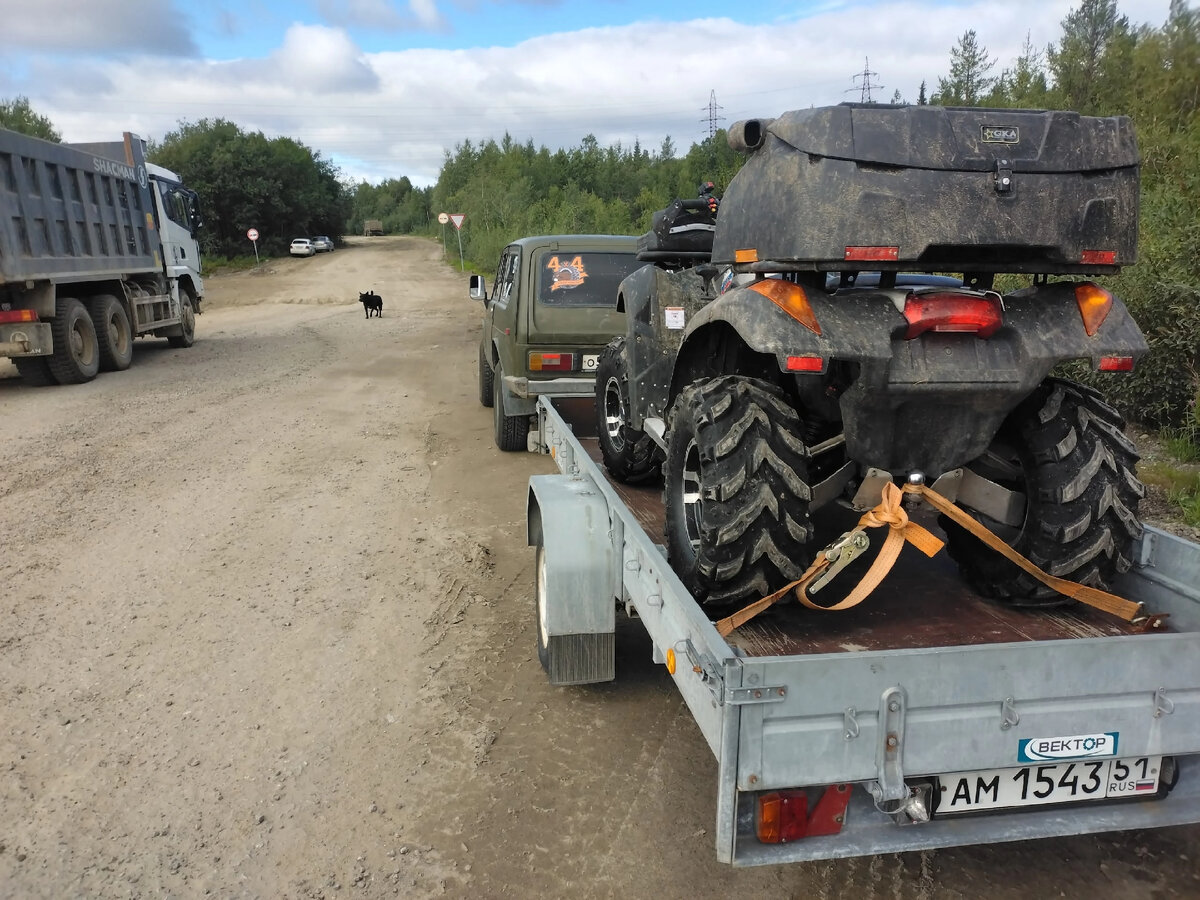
(1000, 134)
(1075, 746)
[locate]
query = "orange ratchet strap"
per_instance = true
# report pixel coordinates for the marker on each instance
(890, 512)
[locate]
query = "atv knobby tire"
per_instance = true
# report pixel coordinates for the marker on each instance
(736, 490)
(1064, 448)
(629, 454)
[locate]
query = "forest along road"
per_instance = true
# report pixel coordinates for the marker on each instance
(266, 631)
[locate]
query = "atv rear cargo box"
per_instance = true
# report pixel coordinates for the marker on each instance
(927, 188)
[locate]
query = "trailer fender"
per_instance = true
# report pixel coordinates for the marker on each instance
(575, 595)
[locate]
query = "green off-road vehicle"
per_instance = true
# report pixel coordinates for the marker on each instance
(551, 310)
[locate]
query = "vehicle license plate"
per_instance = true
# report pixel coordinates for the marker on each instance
(1065, 782)
(590, 361)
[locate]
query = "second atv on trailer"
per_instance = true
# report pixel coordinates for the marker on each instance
(803, 364)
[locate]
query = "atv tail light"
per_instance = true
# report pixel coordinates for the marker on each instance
(551, 362)
(1094, 304)
(805, 364)
(791, 299)
(948, 311)
(12, 316)
(1098, 257)
(1116, 364)
(784, 816)
(873, 254)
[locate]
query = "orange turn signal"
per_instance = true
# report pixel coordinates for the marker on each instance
(1094, 304)
(791, 299)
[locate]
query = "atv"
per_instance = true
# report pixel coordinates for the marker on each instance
(843, 331)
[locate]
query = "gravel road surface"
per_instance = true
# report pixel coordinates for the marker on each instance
(266, 631)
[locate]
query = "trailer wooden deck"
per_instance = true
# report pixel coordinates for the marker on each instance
(922, 603)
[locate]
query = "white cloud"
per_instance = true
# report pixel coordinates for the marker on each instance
(95, 27)
(385, 115)
(382, 15)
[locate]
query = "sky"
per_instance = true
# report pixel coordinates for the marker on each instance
(384, 88)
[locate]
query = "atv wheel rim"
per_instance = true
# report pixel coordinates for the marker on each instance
(614, 414)
(690, 502)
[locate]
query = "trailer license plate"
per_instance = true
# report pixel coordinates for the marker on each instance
(590, 361)
(1066, 782)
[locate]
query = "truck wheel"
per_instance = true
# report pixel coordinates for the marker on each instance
(1065, 450)
(736, 490)
(486, 377)
(512, 432)
(113, 334)
(35, 370)
(76, 356)
(187, 317)
(629, 455)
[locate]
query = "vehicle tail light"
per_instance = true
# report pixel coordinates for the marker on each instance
(791, 299)
(551, 362)
(805, 364)
(950, 311)
(12, 316)
(1098, 257)
(784, 816)
(873, 254)
(1094, 304)
(1116, 364)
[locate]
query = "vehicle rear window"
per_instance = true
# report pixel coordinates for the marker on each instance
(582, 279)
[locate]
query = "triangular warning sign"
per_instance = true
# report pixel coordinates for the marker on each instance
(457, 219)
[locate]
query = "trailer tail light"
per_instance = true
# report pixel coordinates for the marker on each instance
(949, 311)
(551, 362)
(872, 254)
(1098, 257)
(1116, 364)
(784, 816)
(12, 316)
(1094, 304)
(791, 299)
(805, 364)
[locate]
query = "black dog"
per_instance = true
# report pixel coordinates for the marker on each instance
(371, 302)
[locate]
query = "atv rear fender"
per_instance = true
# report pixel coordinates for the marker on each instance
(927, 404)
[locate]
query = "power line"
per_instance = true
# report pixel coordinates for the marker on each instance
(712, 117)
(866, 87)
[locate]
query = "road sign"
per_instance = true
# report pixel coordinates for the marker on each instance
(252, 234)
(457, 219)
(443, 218)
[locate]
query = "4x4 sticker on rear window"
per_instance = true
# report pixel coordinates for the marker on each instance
(570, 274)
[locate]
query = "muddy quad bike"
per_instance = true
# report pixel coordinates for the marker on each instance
(819, 355)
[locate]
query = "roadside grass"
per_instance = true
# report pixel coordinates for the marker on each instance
(1181, 484)
(214, 265)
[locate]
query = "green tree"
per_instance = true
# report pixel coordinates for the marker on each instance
(969, 81)
(276, 185)
(18, 115)
(1077, 62)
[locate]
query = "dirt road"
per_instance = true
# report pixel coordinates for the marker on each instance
(266, 631)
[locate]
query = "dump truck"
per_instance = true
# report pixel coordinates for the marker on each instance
(97, 247)
(372, 228)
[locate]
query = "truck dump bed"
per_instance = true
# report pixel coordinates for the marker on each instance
(74, 212)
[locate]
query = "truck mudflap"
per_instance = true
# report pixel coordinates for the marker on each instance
(26, 339)
(888, 723)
